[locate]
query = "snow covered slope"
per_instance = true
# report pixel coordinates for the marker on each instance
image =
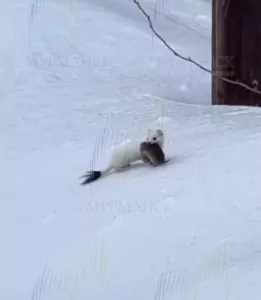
(72, 88)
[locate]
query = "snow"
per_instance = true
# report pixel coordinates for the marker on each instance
(80, 76)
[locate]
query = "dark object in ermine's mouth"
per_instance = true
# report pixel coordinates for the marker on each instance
(152, 153)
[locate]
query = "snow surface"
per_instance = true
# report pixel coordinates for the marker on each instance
(80, 76)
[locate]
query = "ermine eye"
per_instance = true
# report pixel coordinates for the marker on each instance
(154, 139)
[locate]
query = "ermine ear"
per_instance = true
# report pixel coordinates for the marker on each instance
(149, 131)
(159, 132)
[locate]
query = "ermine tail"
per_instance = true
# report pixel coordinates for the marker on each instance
(93, 175)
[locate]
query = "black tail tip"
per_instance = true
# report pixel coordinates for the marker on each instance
(91, 176)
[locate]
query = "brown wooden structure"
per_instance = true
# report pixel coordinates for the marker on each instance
(236, 50)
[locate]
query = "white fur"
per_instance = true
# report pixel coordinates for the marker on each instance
(128, 152)
(156, 136)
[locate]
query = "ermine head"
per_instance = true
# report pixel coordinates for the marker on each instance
(156, 136)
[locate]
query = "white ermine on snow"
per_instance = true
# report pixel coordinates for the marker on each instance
(125, 154)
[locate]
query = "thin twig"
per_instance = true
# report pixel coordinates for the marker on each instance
(235, 82)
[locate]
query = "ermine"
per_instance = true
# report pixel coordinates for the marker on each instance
(125, 154)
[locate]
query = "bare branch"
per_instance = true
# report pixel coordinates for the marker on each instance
(235, 82)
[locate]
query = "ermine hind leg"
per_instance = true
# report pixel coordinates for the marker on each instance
(121, 169)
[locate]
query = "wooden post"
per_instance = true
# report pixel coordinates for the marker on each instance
(236, 50)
